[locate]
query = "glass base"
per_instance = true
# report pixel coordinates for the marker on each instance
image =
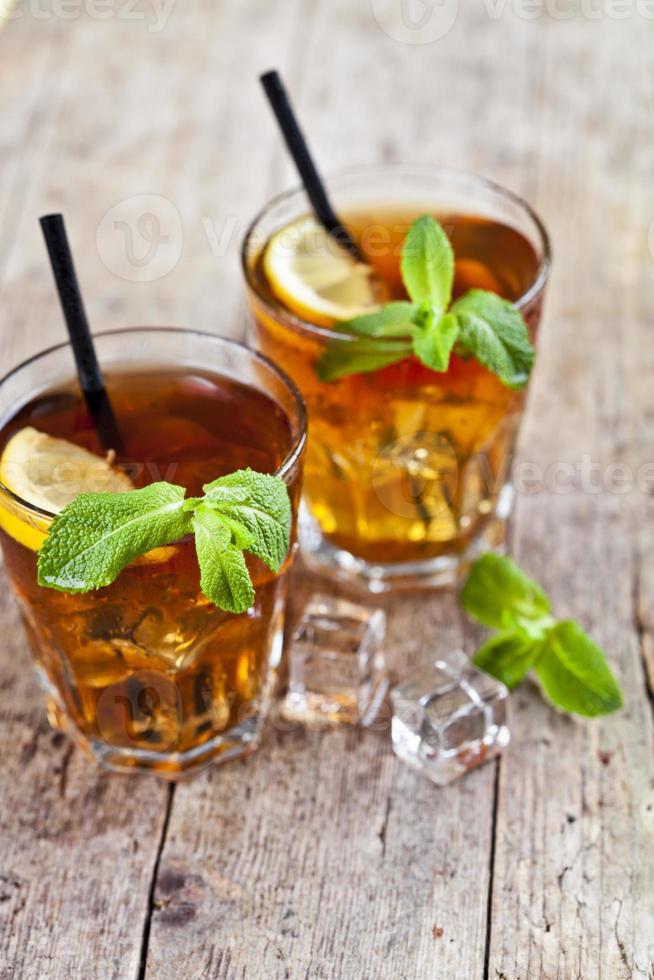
(440, 572)
(238, 742)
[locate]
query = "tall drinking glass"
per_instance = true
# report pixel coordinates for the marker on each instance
(408, 470)
(147, 674)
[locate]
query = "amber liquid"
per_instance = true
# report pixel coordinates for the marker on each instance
(404, 464)
(149, 666)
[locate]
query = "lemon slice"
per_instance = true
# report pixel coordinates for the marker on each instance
(316, 278)
(48, 473)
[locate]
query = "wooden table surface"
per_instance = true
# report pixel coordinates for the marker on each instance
(324, 857)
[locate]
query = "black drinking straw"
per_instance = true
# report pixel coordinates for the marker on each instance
(296, 143)
(88, 367)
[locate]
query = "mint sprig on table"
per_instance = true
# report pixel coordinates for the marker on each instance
(97, 535)
(429, 325)
(572, 670)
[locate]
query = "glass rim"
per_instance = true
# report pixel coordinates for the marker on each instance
(425, 170)
(291, 457)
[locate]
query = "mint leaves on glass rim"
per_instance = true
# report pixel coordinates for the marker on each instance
(97, 535)
(429, 325)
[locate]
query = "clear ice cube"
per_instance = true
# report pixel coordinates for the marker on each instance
(336, 664)
(448, 718)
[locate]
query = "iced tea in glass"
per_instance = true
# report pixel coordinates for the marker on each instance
(147, 673)
(407, 469)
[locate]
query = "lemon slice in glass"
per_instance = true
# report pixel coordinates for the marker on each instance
(49, 473)
(316, 278)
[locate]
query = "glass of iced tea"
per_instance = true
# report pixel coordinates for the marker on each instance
(146, 673)
(408, 470)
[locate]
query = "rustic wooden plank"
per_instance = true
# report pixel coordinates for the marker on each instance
(172, 123)
(28, 93)
(368, 97)
(574, 871)
(78, 846)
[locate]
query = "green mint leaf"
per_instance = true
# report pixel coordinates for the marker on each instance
(224, 576)
(428, 264)
(574, 673)
(257, 509)
(494, 332)
(498, 594)
(360, 357)
(97, 535)
(433, 341)
(508, 657)
(572, 670)
(392, 320)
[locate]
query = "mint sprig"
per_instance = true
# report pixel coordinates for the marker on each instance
(97, 535)
(479, 324)
(571, 668)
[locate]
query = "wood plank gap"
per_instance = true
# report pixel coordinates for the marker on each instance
(642, 632)
(491, 869)
(145, 940)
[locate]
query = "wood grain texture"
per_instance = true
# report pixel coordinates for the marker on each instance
(574, 875)
(323, 857)
(77, 847)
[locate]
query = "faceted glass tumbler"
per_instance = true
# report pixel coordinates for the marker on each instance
(408, 471)
(448, 718)
(146, 674)
(336, 664)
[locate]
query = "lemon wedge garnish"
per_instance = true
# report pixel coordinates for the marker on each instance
(49, 473)
(316, 278)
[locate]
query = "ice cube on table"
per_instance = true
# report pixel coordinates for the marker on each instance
(336, 665)
(448, 718)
